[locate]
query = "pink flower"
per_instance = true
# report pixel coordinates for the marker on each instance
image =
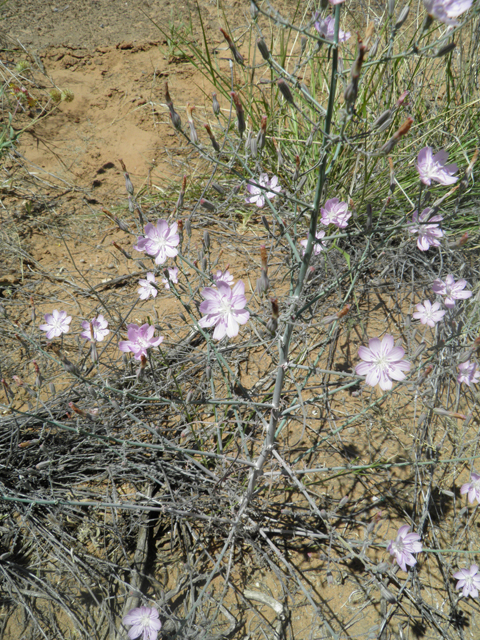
(173, 275)
(472, 488)
(433, 167)
(160, 241)
(445, 10)
(318, 246)
(428, 233)
(56, 323)
(140, 339)
(258, 195)
(335, 212)
(468, 581)
(468, 373)
(146, 287)
(326, 28)
(428, 313)
(223, 276)
(451, 289)
(382, 362)
(224, 308)
(145, 622)
(404, 546)
(99, 326)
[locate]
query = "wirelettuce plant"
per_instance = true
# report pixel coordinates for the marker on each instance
(243, 435)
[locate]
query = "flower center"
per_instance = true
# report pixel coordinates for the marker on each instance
(399, 546)
(382, 363)
(225, 307)
(145, 621)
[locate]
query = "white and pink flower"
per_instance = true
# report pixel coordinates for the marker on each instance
(335, 212)
(451, 290)
(147, 287)
(468, 373)
(266, 189)
(427, 229)
(140, 339)
(404, 546)
(468, 581)
(472, 488)
(144, 622)
(326, 28)
(224, 309)
(99, 326)
(172, 277)
(447, 10)
(318, 245)
(429, 313)
(434, 167)
(160, 241)
(56, 323)
(382, 362)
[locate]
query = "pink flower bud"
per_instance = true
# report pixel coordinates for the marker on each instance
(240, 113)
(285, 90)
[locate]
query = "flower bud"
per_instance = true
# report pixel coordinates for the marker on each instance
(206, 204)
(122, 251)
(280, 159)
(401, 99)
(402, 16)
(263, 283)
(141, 369)
(128, 182)
(253, 147)
(262, 47)
(253, 10)
(403, 130)
(204, 264)
(218, 188)
(373, 49)
(344, 311)
(390, 7)
(93, 352)
(188, 227)
(384, 117)
(215, 144)
(272, 326)
(69, 366)
(443, 51)
(296, 173)
(261, 134)
(265, 223)
(275, 308)
(310, 273)
(428, 22)
(193, 133)
(52, 389)
(215, 104)
(385, 125)
(240, 113)
(77, 410)
(263, 257)
(206, 239)
(8, 392)
(176, 120)
(235, 52)
(285, 90)
(168, 99)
